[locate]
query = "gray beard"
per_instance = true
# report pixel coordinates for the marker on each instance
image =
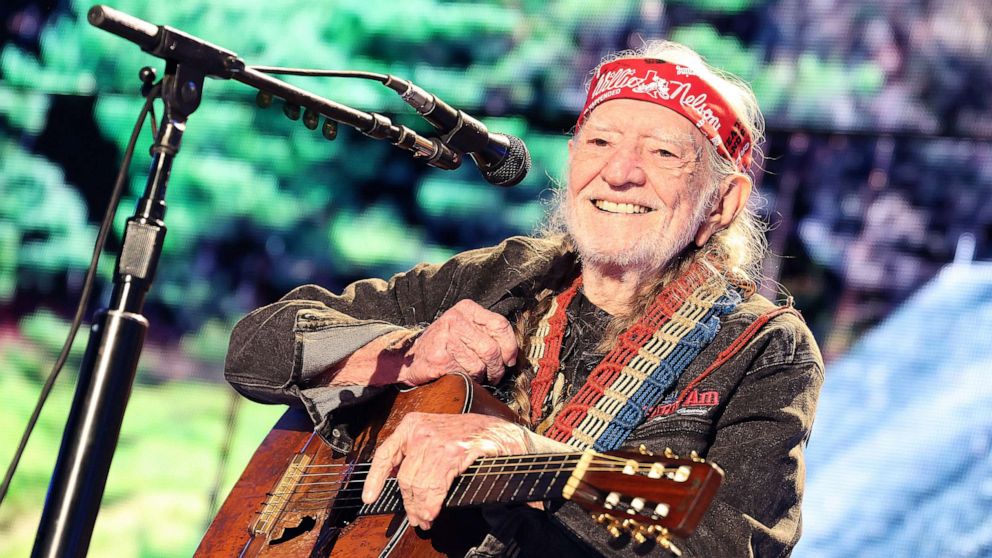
(649, 252)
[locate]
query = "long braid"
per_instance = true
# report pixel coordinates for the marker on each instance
(560, 275)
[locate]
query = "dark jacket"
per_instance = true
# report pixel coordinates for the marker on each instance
(752, 415)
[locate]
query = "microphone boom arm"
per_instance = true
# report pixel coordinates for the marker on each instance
(175, 46)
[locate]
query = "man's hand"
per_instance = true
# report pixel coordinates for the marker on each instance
(431, 450)
(466, 338)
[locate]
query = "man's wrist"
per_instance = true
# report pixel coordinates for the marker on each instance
(376, 364)
(528, 439)
(400, 353)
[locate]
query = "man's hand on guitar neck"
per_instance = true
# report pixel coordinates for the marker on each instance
(428, 451)
(466, 338)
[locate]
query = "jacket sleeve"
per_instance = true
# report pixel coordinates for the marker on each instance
(758, 439)
(277, 351)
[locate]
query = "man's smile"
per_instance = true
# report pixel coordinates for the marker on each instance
(624, 208)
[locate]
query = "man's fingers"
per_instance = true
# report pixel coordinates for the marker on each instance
(478, 341)
(464, 357)
(387, 456)
(499, 330)
(470, 339)
(425, 478)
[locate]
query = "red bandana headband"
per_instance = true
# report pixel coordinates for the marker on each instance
(678, 88)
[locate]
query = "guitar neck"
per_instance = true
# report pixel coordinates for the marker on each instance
(491, 480)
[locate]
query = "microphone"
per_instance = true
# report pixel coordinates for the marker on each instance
(502, 159)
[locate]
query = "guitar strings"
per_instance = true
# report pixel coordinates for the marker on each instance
(340, 478)
(315, 500)
(564, 457)
(349, 503)
(361, 468)
(344, 475)
(533, 468)
(335, 477)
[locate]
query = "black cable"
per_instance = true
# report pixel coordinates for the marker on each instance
(320, 73)
(234, 403)
(101, 240)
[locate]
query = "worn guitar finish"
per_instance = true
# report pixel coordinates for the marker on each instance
(297, 497)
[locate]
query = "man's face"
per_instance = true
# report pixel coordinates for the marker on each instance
(636, 185)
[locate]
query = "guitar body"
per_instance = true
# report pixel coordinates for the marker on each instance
(328, 527)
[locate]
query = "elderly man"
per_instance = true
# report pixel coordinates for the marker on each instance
(633, 320)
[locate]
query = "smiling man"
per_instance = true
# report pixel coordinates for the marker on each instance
(633, 320)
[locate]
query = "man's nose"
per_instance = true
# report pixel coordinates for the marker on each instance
(625, 167)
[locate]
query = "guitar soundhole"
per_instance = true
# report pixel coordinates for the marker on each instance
(306, 524)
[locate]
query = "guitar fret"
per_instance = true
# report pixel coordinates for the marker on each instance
(552, 483)
(477, 480)
(457, 490)
(507, 479)
(491, 480)
(393, 502)
(520, 483)
(543, 481)
(543, 484)
(533, 486)
(522, 477)
(373, 507)
(382, 504)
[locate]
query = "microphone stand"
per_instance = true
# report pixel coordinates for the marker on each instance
(108, 368)
(110, 362)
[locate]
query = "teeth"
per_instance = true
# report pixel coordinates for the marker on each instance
(620, 207)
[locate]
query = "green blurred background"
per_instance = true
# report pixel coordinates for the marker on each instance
(867, 111)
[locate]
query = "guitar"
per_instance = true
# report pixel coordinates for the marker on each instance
(299, 497)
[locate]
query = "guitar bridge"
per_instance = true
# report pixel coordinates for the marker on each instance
(276, 502)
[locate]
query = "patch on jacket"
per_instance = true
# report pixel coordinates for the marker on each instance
(696, 403)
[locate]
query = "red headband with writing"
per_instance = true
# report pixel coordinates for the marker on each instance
(678, 88)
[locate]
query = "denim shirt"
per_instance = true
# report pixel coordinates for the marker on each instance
(752, 415)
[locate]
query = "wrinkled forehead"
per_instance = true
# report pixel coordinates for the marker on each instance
(642, 120)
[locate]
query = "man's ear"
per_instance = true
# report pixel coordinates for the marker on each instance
(734, 193)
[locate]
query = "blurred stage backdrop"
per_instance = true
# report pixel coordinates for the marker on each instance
(878, 187)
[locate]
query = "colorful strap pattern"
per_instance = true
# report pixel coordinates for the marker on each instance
(545, 348)
(664, 376)
(647, 360)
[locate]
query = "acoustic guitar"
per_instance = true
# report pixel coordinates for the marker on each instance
(300, 497)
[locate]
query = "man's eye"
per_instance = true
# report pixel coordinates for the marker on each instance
(665, 153)
(599, 142)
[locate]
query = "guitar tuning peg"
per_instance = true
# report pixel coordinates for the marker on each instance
(601, 518)
(657, 531)
(667, 545)
(640, 537)
(614, 529)
(630, 524)
(643, 450)
(695, 456)
(669, 454)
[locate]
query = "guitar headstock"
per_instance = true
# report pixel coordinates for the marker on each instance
(646, 496)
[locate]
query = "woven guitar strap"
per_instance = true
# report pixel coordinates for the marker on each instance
(644, 365)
